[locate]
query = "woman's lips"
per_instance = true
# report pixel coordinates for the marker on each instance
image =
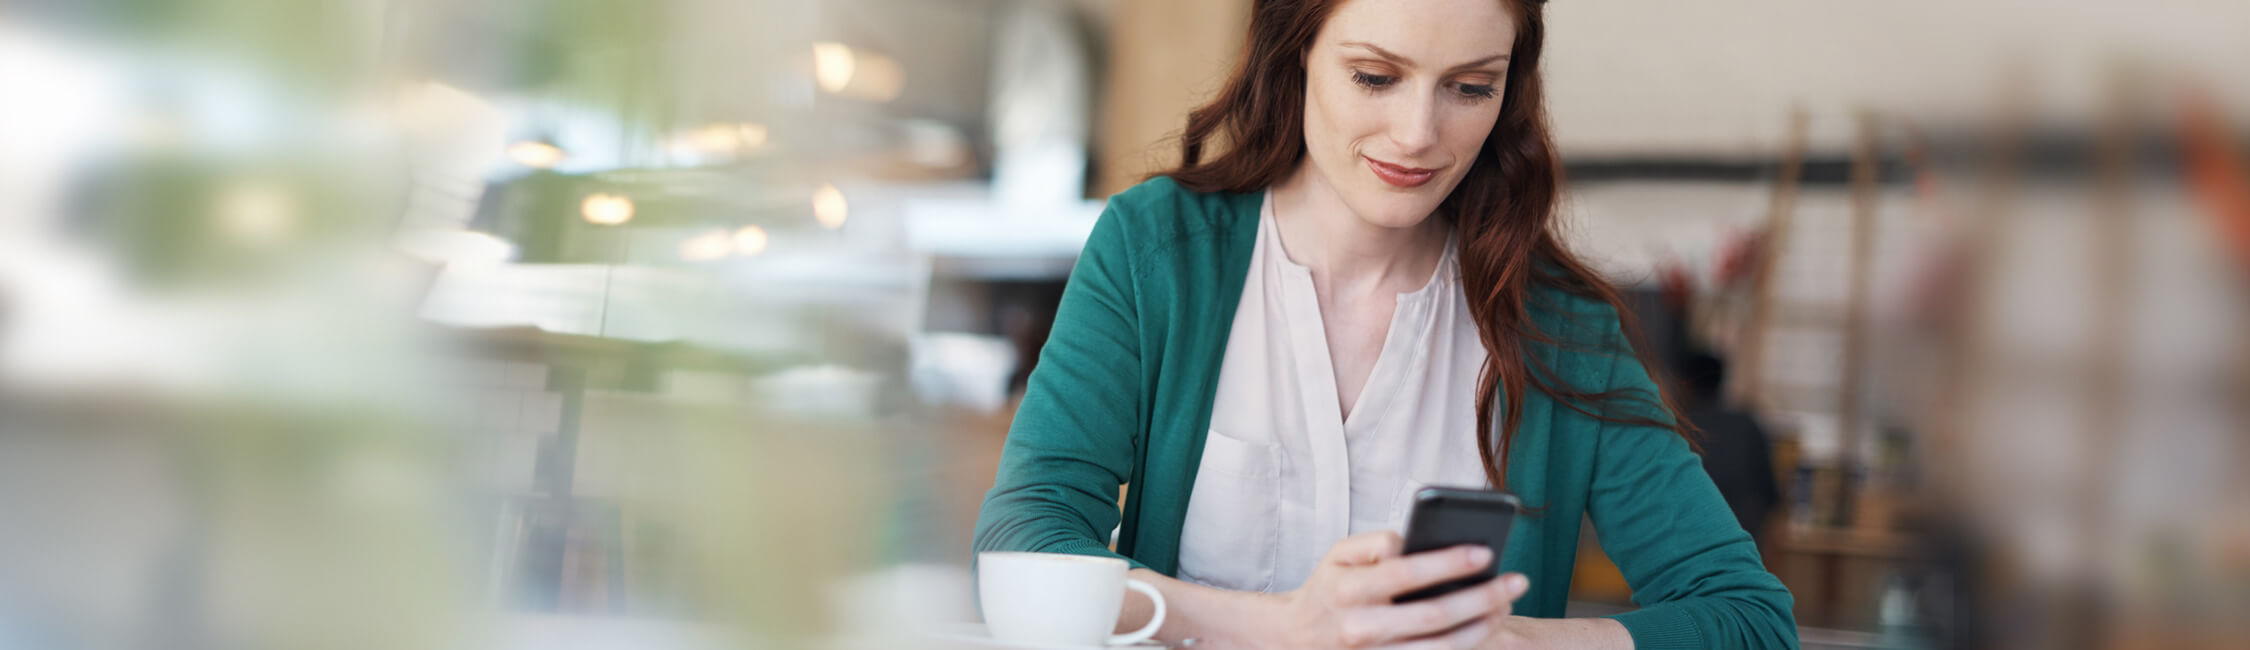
(1400, 176)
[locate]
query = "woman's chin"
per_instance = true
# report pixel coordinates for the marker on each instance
(1395, 211)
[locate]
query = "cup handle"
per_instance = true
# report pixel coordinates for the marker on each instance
(1154, 620)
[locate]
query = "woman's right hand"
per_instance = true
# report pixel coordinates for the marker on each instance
(1346, 603)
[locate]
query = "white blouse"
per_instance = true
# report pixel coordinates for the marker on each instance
(1282, 476)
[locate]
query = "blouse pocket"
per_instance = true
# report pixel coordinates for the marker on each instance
(1233, 528)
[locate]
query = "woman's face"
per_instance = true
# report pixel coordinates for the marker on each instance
(1399, 96)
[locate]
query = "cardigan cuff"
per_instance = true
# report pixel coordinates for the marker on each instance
(1090, 547)
(1661, 627)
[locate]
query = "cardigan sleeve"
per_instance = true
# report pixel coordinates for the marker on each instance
(1074, 438)
(1695, 573)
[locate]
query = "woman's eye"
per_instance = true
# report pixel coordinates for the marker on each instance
(1477, 91)
(1376, 81)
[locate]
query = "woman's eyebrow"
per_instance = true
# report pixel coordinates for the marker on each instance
(1395, 58)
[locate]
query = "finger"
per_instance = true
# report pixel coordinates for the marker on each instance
(1389, 578)
(1509, 588)
(1364, 548)
(1429, 618)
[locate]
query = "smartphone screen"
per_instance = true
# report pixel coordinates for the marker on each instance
(1449, 517)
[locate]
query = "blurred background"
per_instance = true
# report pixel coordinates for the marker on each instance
(699, 323)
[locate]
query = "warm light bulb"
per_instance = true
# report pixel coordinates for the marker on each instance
(606, 209)
(833, 65)
(706, 247)
(716, 139)
(828, 207)
(536, 155)
(750, 240)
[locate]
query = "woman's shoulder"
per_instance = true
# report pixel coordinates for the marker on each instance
(1165, 194)
(1558, 306)
(1161, 211)
(1578, 323)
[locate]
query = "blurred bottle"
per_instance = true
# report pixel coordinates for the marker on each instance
(1813, 489)
(1895, 618)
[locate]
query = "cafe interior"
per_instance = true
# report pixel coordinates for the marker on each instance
(701, 323)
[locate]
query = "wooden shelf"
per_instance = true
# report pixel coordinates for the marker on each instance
(1852, 542)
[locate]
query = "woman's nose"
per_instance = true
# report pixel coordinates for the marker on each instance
(1414, 126)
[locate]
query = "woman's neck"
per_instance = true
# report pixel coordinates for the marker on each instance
(1345, 252)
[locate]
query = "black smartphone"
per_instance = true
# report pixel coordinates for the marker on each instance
(1448, 517)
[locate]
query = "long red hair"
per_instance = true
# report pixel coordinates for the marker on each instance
(1503, 210)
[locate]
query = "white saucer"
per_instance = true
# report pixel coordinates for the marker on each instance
(973, 635)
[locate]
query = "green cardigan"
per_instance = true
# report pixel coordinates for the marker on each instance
(1122, 395)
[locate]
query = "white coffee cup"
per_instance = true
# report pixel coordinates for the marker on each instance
(1059, 599)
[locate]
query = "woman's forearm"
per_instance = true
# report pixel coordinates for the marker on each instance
(1577, 633)
(1191, 610)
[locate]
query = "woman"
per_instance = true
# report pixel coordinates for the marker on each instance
(1274, 345)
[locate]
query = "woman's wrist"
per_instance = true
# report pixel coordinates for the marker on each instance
(1582, 633)
(1195, 611)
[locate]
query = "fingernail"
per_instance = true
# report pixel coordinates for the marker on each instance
(1517, 584)
(1479, 555)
